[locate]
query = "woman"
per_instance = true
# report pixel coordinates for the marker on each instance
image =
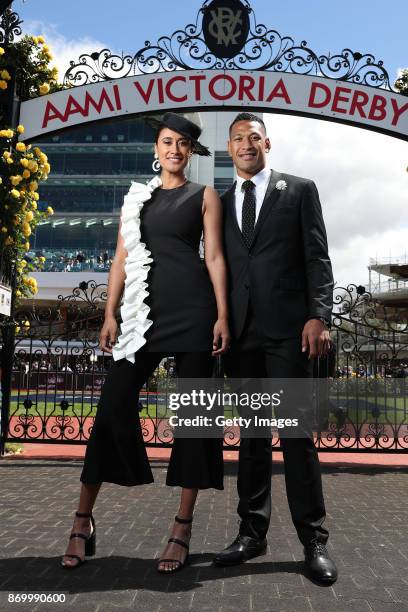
(172, 305)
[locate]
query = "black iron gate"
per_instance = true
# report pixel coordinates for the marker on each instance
(58, 372)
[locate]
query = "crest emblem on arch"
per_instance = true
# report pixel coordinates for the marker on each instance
(225, 27)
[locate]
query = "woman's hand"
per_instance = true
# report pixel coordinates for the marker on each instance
(107, 337)
(221, 332)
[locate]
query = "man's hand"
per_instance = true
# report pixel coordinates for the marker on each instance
(316, 338)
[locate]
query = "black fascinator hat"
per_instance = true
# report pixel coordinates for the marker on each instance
(183, 126)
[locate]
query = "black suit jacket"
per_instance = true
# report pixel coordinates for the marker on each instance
(287, 271)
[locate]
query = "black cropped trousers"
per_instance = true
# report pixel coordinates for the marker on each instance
(116, 451)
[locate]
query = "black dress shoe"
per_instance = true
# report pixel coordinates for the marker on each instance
(242, 549)
(319, 564)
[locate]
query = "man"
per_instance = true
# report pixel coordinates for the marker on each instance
(281, 285)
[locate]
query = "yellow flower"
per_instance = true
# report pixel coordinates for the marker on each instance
(31, 282)
(23, 263)
(27, 246)
(10, 160)
(24, 162)
(16, 180)
(29, 216)
(1, 50)
(42, 259)
(20, 146)
(3, 85)
(44, 88)
(43, 158)
(20, 129)
(1, 181)
(33, 186)
(26, 323)
(35, 40)
(47, 168)
(18, 293)
(10, 133)
(37, 151)
(15, 193)
(26, 230)
(3, 133)
(4, 230)
(26, 174)
(36, 197)
(50, 210)
(5, 75)
(33, 166)
(6, 154)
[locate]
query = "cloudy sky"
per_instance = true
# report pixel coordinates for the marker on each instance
(361, 175)
(363, 186)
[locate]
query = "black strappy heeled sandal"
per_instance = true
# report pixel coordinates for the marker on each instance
(90, 544)
(181, 564)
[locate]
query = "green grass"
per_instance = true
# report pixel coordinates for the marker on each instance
(78, 410)
(396, 408)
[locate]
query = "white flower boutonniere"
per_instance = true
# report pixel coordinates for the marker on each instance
(281, 185)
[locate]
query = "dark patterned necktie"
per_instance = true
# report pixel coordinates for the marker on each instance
(248, 212)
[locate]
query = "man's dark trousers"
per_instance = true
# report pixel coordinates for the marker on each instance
(256, 357)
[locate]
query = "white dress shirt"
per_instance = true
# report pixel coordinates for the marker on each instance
(261, 181)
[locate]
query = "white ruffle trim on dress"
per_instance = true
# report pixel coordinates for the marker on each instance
(137, 265)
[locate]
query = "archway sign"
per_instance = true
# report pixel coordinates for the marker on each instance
(226, 60)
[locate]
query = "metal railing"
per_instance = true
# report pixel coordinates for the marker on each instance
(58, 373)
(401, 259)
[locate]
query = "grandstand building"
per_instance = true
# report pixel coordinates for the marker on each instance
(388, 281)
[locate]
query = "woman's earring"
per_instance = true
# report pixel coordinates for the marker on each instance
(156, 164)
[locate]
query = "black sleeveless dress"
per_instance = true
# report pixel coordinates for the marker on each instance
(183, 310)
(181, 296)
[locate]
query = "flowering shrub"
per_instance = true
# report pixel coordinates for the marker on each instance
(402, 82)
(29, 59)
(23, 167)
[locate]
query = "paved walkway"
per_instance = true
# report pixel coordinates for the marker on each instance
(367, 518)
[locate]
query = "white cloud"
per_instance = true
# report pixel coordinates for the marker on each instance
(63, 49)
(362, 181)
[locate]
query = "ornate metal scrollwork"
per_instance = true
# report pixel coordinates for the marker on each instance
(9, 26)
(264, 49)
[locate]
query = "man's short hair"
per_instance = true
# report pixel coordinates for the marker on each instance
(247, 117)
